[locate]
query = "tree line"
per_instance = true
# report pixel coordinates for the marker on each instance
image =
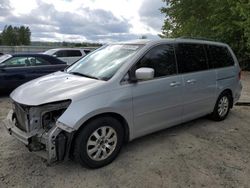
(220, 20)
(13, 36)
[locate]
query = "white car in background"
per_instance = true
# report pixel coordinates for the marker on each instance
(68, 55)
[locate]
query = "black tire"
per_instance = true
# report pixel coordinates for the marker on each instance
(80, 148)
(216, 116)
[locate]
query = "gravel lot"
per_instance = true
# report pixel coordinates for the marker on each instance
(201, 153)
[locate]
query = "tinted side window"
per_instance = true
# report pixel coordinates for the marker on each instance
(74, 53)
(219, 56)
(61, 53)
(191, 57)
(161, 59)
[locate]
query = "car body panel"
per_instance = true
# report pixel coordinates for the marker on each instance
(228, 78)
(199, 93)
(157, 104)
(13, 77)
(57, 86)
(118, 101)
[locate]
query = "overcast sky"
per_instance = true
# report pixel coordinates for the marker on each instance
(84, 20)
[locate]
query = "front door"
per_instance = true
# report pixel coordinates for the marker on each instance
(16, 72)
(40, 67)
(157, 103)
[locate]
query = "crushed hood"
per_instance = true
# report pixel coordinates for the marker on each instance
(53, 87)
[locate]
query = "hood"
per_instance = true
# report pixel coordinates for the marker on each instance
(53, 87)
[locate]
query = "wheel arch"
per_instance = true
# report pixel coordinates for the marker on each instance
(114, 115)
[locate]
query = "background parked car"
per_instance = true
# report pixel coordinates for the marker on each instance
(20, 68)
(68, 55)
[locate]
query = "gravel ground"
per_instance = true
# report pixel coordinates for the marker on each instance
(201, 153)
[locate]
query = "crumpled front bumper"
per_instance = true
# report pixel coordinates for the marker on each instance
(52, 147)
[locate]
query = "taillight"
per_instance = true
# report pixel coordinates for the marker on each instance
(240, 75)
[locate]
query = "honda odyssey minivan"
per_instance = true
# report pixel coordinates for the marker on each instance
(120, 92)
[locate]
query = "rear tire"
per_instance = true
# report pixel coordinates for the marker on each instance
(222, 107)
(99, 142)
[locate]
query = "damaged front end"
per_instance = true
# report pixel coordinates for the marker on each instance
(38, 128)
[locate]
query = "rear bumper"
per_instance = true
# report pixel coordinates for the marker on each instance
(51, 145)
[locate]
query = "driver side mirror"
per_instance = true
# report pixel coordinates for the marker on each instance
(144, 73)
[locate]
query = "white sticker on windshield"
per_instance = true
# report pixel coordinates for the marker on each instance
(130, 47)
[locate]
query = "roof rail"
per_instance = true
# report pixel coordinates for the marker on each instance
(196, 38)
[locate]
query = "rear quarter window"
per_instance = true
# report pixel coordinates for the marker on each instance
(219, 56)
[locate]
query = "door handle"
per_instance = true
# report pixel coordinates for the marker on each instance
(192, 81)
(175, 84)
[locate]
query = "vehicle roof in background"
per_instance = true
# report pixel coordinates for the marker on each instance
(68, 49)
(31, 54)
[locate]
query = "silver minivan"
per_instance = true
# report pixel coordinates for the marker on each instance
(120, 92)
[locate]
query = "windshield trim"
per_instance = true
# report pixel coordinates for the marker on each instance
(84, 75)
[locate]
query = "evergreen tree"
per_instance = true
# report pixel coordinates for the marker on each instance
(15, 35)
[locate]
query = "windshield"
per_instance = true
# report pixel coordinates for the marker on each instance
(104, 63)
(4, 57)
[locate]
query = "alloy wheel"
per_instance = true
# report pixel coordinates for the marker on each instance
(101, 143)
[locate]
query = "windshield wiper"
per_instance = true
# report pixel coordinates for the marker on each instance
(84, 75)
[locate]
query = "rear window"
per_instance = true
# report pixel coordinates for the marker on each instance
(219, 56)
(190, 57)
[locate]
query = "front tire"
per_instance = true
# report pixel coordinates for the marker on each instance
(99, 142)
(222, 107)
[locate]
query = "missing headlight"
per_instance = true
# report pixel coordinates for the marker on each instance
(52, 112)
(49, 118)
